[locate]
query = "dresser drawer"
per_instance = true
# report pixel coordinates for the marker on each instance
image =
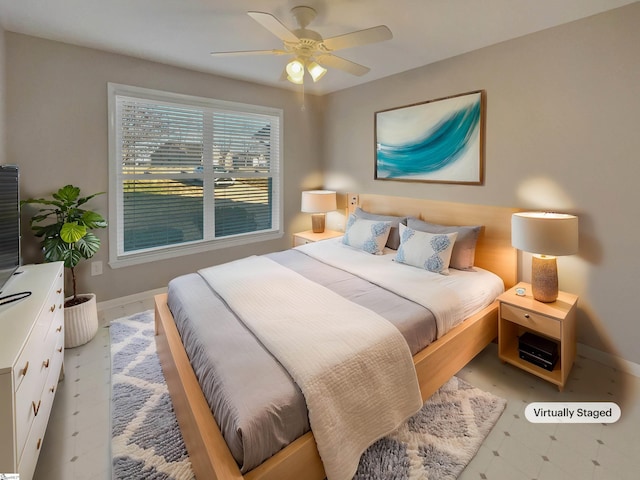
(50, 318)
(540, 323)
(29, 455)
(57, 360)
(29, 399)
(46, 357)
(56, 329)
(33, 443)
(27, 366)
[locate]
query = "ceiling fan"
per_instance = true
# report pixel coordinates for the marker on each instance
(307, 47)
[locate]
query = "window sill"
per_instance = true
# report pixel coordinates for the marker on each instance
(189, 249)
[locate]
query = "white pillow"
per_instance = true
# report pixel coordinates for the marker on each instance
(426, 250)
(368, 235)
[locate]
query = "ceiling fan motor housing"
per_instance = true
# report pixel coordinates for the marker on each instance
(303, 15)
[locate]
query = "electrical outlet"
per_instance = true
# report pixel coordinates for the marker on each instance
(96, 268)
(353, 200)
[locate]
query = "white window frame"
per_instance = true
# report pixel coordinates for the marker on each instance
(116, 228)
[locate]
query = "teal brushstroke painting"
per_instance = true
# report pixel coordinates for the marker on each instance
(433, 141)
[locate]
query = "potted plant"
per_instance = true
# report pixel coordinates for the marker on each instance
(65, 229)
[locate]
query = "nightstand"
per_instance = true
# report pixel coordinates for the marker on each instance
(302, 238)
(554, 321)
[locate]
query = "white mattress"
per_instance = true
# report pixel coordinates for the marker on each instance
(451, 298)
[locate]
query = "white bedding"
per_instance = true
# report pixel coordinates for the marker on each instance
(451, 298)
(353, 366)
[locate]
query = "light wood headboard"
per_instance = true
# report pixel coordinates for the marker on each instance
(493, 251)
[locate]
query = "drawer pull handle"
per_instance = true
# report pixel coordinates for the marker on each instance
(45, 364)
(52, 308)
(526, 315)
(36, 408)
(59, 329)
(52, 389)
(39, 444)
(23, 372)
(59, 291)
(60, 350)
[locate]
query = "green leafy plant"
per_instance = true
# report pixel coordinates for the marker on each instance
(65, 229)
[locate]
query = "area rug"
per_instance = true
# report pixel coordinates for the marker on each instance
(436, 443)
(146, 442)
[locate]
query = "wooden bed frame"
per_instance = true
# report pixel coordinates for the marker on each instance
(210, 457)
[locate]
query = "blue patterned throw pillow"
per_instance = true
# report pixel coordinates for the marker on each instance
(368, 235)
(426, 250)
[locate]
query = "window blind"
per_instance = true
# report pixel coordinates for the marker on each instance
(193, 172)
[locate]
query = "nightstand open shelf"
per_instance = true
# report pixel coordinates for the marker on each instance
(508, 352)
(554, 321)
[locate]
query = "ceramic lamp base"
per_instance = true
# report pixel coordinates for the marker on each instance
(317, 222)
(544, 278)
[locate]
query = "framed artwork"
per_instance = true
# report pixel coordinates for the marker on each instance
(439, 141)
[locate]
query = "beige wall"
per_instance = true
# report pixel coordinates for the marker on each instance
(562, 133)
(58, 134)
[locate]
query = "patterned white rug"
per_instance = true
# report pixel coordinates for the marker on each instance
(436, 443)
(146, 440)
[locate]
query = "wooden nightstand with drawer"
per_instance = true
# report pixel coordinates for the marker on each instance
(308, 236)
(555, 322)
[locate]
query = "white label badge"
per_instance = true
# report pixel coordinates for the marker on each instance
(572, 412)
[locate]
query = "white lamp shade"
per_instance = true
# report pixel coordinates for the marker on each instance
(316, 71)
(318, 201)
(545, 233)
(296, 80)
(295, 67)
(295, 71)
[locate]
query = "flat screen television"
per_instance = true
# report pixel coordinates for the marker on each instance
(9, 223)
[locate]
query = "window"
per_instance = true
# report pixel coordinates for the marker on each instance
(189, 174)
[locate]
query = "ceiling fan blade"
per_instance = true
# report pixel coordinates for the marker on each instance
(340, 63)
(274, 25)
(249, 52)
(360, 37)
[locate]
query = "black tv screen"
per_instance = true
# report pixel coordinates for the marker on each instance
(9, 223)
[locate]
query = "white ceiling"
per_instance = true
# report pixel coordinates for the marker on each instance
(184, 32)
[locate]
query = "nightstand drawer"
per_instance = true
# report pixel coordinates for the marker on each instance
(534, 321)
(302, 238)
(297, 241)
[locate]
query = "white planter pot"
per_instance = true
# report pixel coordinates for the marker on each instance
(80, 322)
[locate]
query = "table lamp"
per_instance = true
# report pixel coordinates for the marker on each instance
(545, 235)
(318, 202)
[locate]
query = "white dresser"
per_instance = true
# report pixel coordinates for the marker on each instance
(31, 356)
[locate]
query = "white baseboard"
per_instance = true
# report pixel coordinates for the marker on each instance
(610, 360)
(136, 297)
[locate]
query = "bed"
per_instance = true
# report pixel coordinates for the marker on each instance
(210, 455)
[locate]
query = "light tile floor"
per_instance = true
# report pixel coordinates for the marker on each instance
(77, 443)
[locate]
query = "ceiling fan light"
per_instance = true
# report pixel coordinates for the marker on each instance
(316, 71)
(297, 80)
(295, 68)
(295, 71)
